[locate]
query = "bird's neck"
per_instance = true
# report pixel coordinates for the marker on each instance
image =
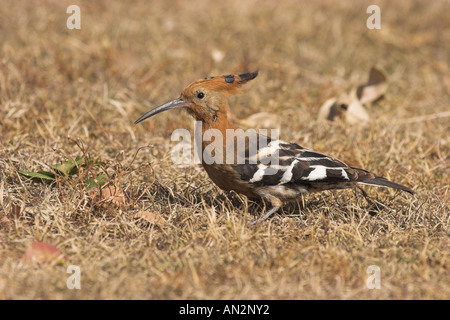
(219, 120)
(214, 138)
(221, 123)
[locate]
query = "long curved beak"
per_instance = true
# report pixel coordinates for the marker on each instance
(176, 103)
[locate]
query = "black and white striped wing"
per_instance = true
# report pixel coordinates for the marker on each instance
(281, 163)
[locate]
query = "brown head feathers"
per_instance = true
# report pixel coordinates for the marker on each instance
(206, 99)
(227, 84)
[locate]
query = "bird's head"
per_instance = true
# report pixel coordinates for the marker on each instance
(206, 99)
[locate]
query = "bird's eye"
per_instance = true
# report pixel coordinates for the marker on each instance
(200, 95)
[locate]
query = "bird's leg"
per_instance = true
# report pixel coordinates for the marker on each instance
(370, 201)
(265, 216)
(366, 196)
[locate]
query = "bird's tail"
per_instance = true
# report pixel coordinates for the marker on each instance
(371, 180)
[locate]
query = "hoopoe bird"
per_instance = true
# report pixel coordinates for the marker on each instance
(260, 167)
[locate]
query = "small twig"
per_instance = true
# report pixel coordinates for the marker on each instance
(427, 117)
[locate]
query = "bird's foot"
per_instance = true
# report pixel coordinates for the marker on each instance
(265, 216)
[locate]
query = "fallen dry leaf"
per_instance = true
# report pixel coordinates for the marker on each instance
(356, 113)
(42, 252)
(330, 110)
(109, 194)
(375, 88)
(151, 217)
(349, 106)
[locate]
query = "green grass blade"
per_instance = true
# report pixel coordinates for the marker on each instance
(39, 175)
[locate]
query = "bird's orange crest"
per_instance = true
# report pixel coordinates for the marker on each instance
(228, 84)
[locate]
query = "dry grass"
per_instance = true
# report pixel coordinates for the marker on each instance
(67, 92)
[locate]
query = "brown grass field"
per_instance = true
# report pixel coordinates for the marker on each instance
(67, 93)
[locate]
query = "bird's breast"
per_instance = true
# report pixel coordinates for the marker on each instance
(227, 179)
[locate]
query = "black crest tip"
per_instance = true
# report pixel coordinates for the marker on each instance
(244, 77)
